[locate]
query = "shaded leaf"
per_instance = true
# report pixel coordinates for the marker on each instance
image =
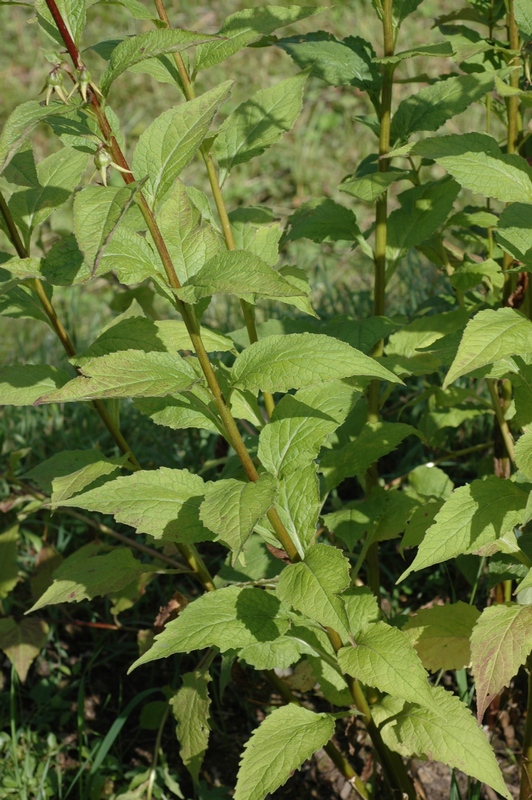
(441, 635)
(22, 384)
(22, 642)
(191, 709)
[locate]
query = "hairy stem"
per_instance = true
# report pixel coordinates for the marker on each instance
(188, 87)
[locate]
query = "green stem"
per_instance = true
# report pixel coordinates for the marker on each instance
(525, 792)
(499, 414)
(153, 770)
(330, 748)
(381, 235)
(512, 107)
(188, 87)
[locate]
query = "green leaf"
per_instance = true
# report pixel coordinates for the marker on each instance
(473, 516)
(232, 508)
(298, 504)
(297, 277)
(362, 608)
(133, 332)
(21, 122)
(436, 50)
(258, 123)
(489, 337)
(301, 423)
(23, 384)
(71, 471)
(281, 744)
(375, 440)
(441, 635)
(423, 209)
(523, 16)
(64, 265)
(312, 585)
(424, 331)
(189, 242)
(129, 373)
(131, 257)
(9, 576)
(247, 26)
(445, 732)
(170, 142)
(256, 230)
(523, 454)
(186, 410)
(401, 9)
(513, 232)
(57, 176)
(87, 574)
(135, 8)
(191, 709)
(500, 644)
(73, 13)
(430, 107)
(347, 62)
(369, 185)
(321, 218)
(229, 618)
(147, 45)
(22, 642)
(475, 160)
(384, 658)
(163, 502)
(294, 361)
(97, 213)
(239, 273)
(279, 654)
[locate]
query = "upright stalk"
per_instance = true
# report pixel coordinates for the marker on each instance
(188, 87)
(525, 791)
(381, 236)
(512, 109)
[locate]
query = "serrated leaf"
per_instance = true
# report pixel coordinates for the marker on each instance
(446, 732)
(258, 123)
(22, 384)
(370, 185)
(22, 642)
(489, 337)
(279, 654)
(523, 16)
(375, 440)
(244, 27)
(256, 230)
(298, 504)
(312, 585)
(301, 423)
(131, 257)
(170, 142)
(232, 508)
(239, 273)
(231, 617)
(135, 8)
(70, 471)
(475, 160)
(501, 642)
(424, 331)
(429, 108)
(128, 373)
(97, 213)
(57, 176)
(186, 410)
(140, 333)
(73, 13)
(384, 658)
(191, 708)
(347, 62)
(473, 516)
(441, 635)
(423, 209)
(320, 219)
(9, 576)
(190, 243)
(523, 454)
(401, 9)
(513, 232)
(134, 49)
(362, 608)
(294, 361)
(281, 744)
(21, 122)
(87, 574)
(64, 264)
(436, 50)
(164, 503)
